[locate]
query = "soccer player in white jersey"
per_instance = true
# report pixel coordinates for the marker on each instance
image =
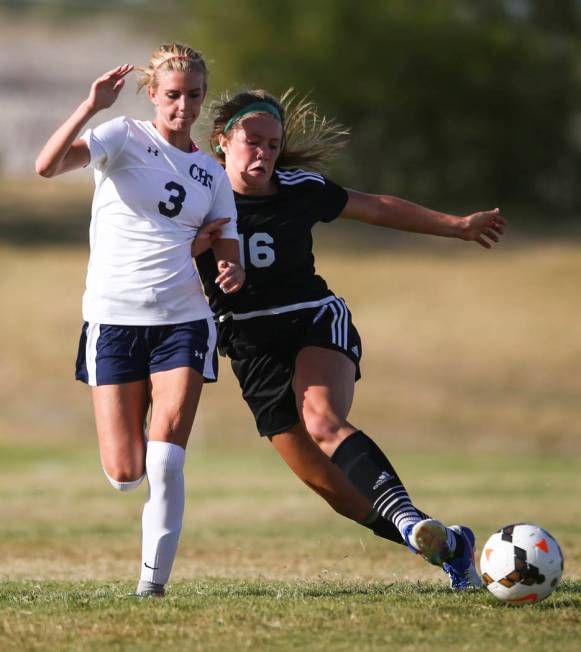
(148, 341)
(292, 344)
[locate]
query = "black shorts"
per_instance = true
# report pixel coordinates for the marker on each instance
(263, 351)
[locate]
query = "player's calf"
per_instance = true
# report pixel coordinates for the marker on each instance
(162, 514)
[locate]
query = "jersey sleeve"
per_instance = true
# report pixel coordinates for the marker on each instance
(330, 200)
(223, 206)
(106, 141)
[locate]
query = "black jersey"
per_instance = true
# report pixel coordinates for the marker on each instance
(276, 244)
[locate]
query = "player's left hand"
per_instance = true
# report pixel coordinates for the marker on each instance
(485, 227)
(231, 277)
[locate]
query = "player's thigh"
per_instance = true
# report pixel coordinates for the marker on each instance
(120, 412)
(324, 383)
(175, 395)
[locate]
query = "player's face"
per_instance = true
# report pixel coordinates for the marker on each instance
(251, 150)
(178, 100)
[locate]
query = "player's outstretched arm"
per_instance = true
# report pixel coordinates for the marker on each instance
(63, 151)
(485, 227)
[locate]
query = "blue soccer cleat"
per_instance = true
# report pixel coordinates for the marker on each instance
(462, 570)
(429, 539)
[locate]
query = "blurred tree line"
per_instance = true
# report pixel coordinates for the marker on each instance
(467, 101)
(449, 102)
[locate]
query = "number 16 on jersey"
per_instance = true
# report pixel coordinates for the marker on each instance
(257, 249)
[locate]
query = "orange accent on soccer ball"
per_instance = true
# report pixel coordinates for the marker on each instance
(488, 552)
(542, 544)
(487, 579)
(530, 597)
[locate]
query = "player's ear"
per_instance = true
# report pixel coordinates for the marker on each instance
(151, 92)
(223, 141)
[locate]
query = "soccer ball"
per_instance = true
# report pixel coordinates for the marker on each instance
(521, 563)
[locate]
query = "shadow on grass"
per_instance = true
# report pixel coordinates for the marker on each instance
(186, 595)
(228, 588)
(566, 596)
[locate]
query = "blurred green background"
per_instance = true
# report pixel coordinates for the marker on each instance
(452, 102)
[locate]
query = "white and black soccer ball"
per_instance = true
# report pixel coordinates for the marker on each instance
(521, 563)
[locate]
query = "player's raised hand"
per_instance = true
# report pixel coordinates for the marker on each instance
(207, 235)
(485, 227)
(231, 277)
(62, 152)
(106, 88)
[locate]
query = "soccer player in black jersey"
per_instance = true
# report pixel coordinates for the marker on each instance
(291, 341)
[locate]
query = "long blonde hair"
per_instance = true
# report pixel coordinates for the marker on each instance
(173, 57)
(309, 140)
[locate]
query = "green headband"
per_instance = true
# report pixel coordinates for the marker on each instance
(255, 107)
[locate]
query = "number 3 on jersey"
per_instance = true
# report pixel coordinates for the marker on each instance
(260, 253)
(175, 202)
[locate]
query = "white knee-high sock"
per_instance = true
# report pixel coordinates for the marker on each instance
(163, 511)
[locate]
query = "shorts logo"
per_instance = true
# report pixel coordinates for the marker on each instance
(197, 354)
(383, 478)
(355, 350)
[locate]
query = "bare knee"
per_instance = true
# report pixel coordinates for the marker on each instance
(124, 477)
(328, 431)
(321, 428)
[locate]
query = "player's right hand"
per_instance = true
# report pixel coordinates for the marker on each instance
(106, 88)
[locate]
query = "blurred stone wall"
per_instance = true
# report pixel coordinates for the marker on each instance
(46, 68)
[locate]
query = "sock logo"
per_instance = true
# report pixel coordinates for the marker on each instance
(150, 567)
(383, 478)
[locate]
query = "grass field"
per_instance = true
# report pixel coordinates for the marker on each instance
(265, 565)
(471, 382)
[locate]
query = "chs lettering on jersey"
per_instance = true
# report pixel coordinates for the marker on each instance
(150, 200)
(276, 245)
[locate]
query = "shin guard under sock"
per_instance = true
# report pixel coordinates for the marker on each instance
(370, 471)
(163, 512)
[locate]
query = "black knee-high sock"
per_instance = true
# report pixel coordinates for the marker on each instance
(370, 471)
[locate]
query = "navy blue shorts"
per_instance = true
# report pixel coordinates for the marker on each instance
(112, 355)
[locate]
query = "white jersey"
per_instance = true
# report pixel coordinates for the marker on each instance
(150, 200)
